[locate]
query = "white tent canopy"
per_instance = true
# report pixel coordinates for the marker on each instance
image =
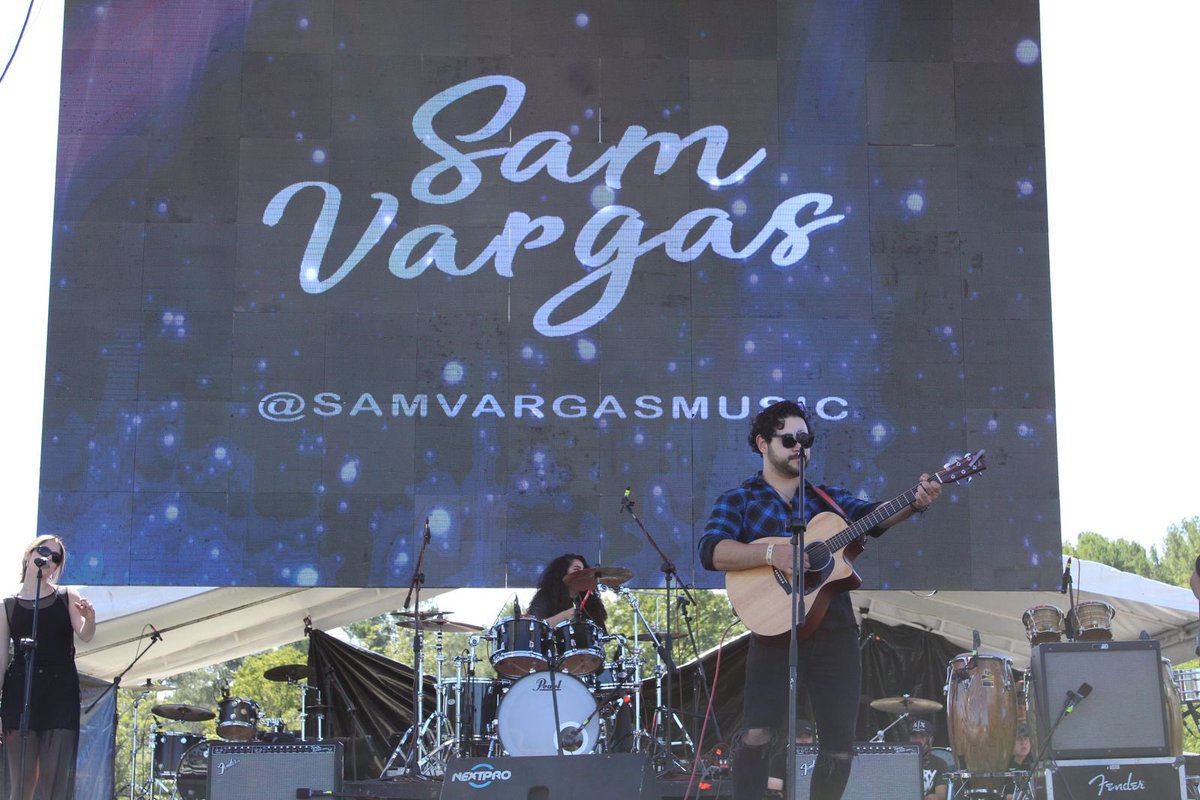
(208, 626)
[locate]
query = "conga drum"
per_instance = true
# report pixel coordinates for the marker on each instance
(1173, 708)
(981, 709)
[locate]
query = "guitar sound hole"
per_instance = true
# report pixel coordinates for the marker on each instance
(818, 557)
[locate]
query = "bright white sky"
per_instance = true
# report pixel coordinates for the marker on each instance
(1123, 176)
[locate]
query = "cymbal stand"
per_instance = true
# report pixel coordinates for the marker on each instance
(662, 715)
(134, 746)
(443, 731)
(882, 732)
(413, 757)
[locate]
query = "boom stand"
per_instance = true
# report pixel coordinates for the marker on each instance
(671, 576)
(412, 760)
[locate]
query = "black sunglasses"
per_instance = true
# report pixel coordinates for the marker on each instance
(790, 440)
(46, 552)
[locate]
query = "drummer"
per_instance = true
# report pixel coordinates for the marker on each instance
(555, 602)
(933, 772)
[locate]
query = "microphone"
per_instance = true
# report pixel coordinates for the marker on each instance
(155, 636)
(39, 561)
(626, 502)
(804, 439)
(516, 608)
(976, 640)
(427, 530)
(1076, 697)
(1066, 578)
(300, 793)
(571, 738)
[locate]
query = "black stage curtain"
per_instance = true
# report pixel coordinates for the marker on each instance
(896, 661)
(368, 699)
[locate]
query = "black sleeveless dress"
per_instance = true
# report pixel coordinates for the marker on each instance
(55, 682)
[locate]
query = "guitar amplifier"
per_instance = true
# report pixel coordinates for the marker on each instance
(241, 771)
(879, 771)
(1149, 778)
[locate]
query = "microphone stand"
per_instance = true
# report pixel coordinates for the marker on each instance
(29, 645)
(797, 527)
(412, 761)
(671, 575)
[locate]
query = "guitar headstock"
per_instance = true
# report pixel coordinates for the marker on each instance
(962, 468)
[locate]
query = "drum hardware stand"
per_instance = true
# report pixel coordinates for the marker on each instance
(639, 617)
(879, 734)
(670, 577)
(413, 757)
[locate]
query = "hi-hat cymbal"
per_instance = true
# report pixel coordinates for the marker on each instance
(440, 624)
(289, 673)
(149, 687)
(906, 705)
(182, 713)
(586, 579)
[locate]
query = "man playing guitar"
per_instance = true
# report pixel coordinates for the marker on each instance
(829, 654)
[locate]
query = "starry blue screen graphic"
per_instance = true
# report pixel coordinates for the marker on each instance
(323, 271)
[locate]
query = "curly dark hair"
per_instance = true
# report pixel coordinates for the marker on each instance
(770, 420)
(552, 595)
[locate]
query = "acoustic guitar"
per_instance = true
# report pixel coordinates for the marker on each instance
(761, 596)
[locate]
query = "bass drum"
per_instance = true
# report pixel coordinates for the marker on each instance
(526, 721)
(192, 779)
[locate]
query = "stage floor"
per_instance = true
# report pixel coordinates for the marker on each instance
(669, 788)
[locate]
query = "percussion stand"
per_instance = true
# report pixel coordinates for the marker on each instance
(879, 734)
(412, 759)
(670, 578)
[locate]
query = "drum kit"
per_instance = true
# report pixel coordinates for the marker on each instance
(570, 689)
(179, 761)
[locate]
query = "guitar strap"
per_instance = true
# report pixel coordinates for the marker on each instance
(829, 501)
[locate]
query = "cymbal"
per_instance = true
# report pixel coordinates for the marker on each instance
(586, 579)
(421, 614)
(906, 705)
(645, 637)
(149, 687)
(440, 624)
(182, 713)
(289, 673)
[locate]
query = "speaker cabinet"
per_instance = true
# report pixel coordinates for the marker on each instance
(595, 777)
(879, 771)
(239, 771)
(1148, 778)
(1123, 715)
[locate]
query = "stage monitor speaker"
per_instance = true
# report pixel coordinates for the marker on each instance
(1122, 715)
(238, 771)
(594, 777)
(879, 771)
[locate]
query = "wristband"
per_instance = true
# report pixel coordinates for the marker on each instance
(771, 554)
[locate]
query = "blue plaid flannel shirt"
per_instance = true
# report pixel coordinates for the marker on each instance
(755, 510)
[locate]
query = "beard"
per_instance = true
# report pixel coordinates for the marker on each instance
(785, 465)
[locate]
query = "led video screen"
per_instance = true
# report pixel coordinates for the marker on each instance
(326, 270)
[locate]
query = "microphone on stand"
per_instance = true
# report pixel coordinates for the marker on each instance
(155, 636)
(427, 530)
(1076, 697)
(516, 608)
(1066, 578)
(626, 502)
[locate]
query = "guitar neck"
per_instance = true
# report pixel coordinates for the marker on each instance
(881, 513)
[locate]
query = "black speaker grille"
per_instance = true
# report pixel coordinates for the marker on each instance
(272, 771)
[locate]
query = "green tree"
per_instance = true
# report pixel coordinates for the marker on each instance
(710, 618)
(1179, 550)
(1122, 554)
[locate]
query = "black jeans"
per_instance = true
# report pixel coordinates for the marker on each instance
(830, 668)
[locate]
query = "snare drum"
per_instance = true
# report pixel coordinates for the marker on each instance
(237, 719)
(1092, 621)
(526, 722)
(169, 748)
(577, 647)
(1043, 624)
(611, 676)
(519, 646)
(981, 709)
